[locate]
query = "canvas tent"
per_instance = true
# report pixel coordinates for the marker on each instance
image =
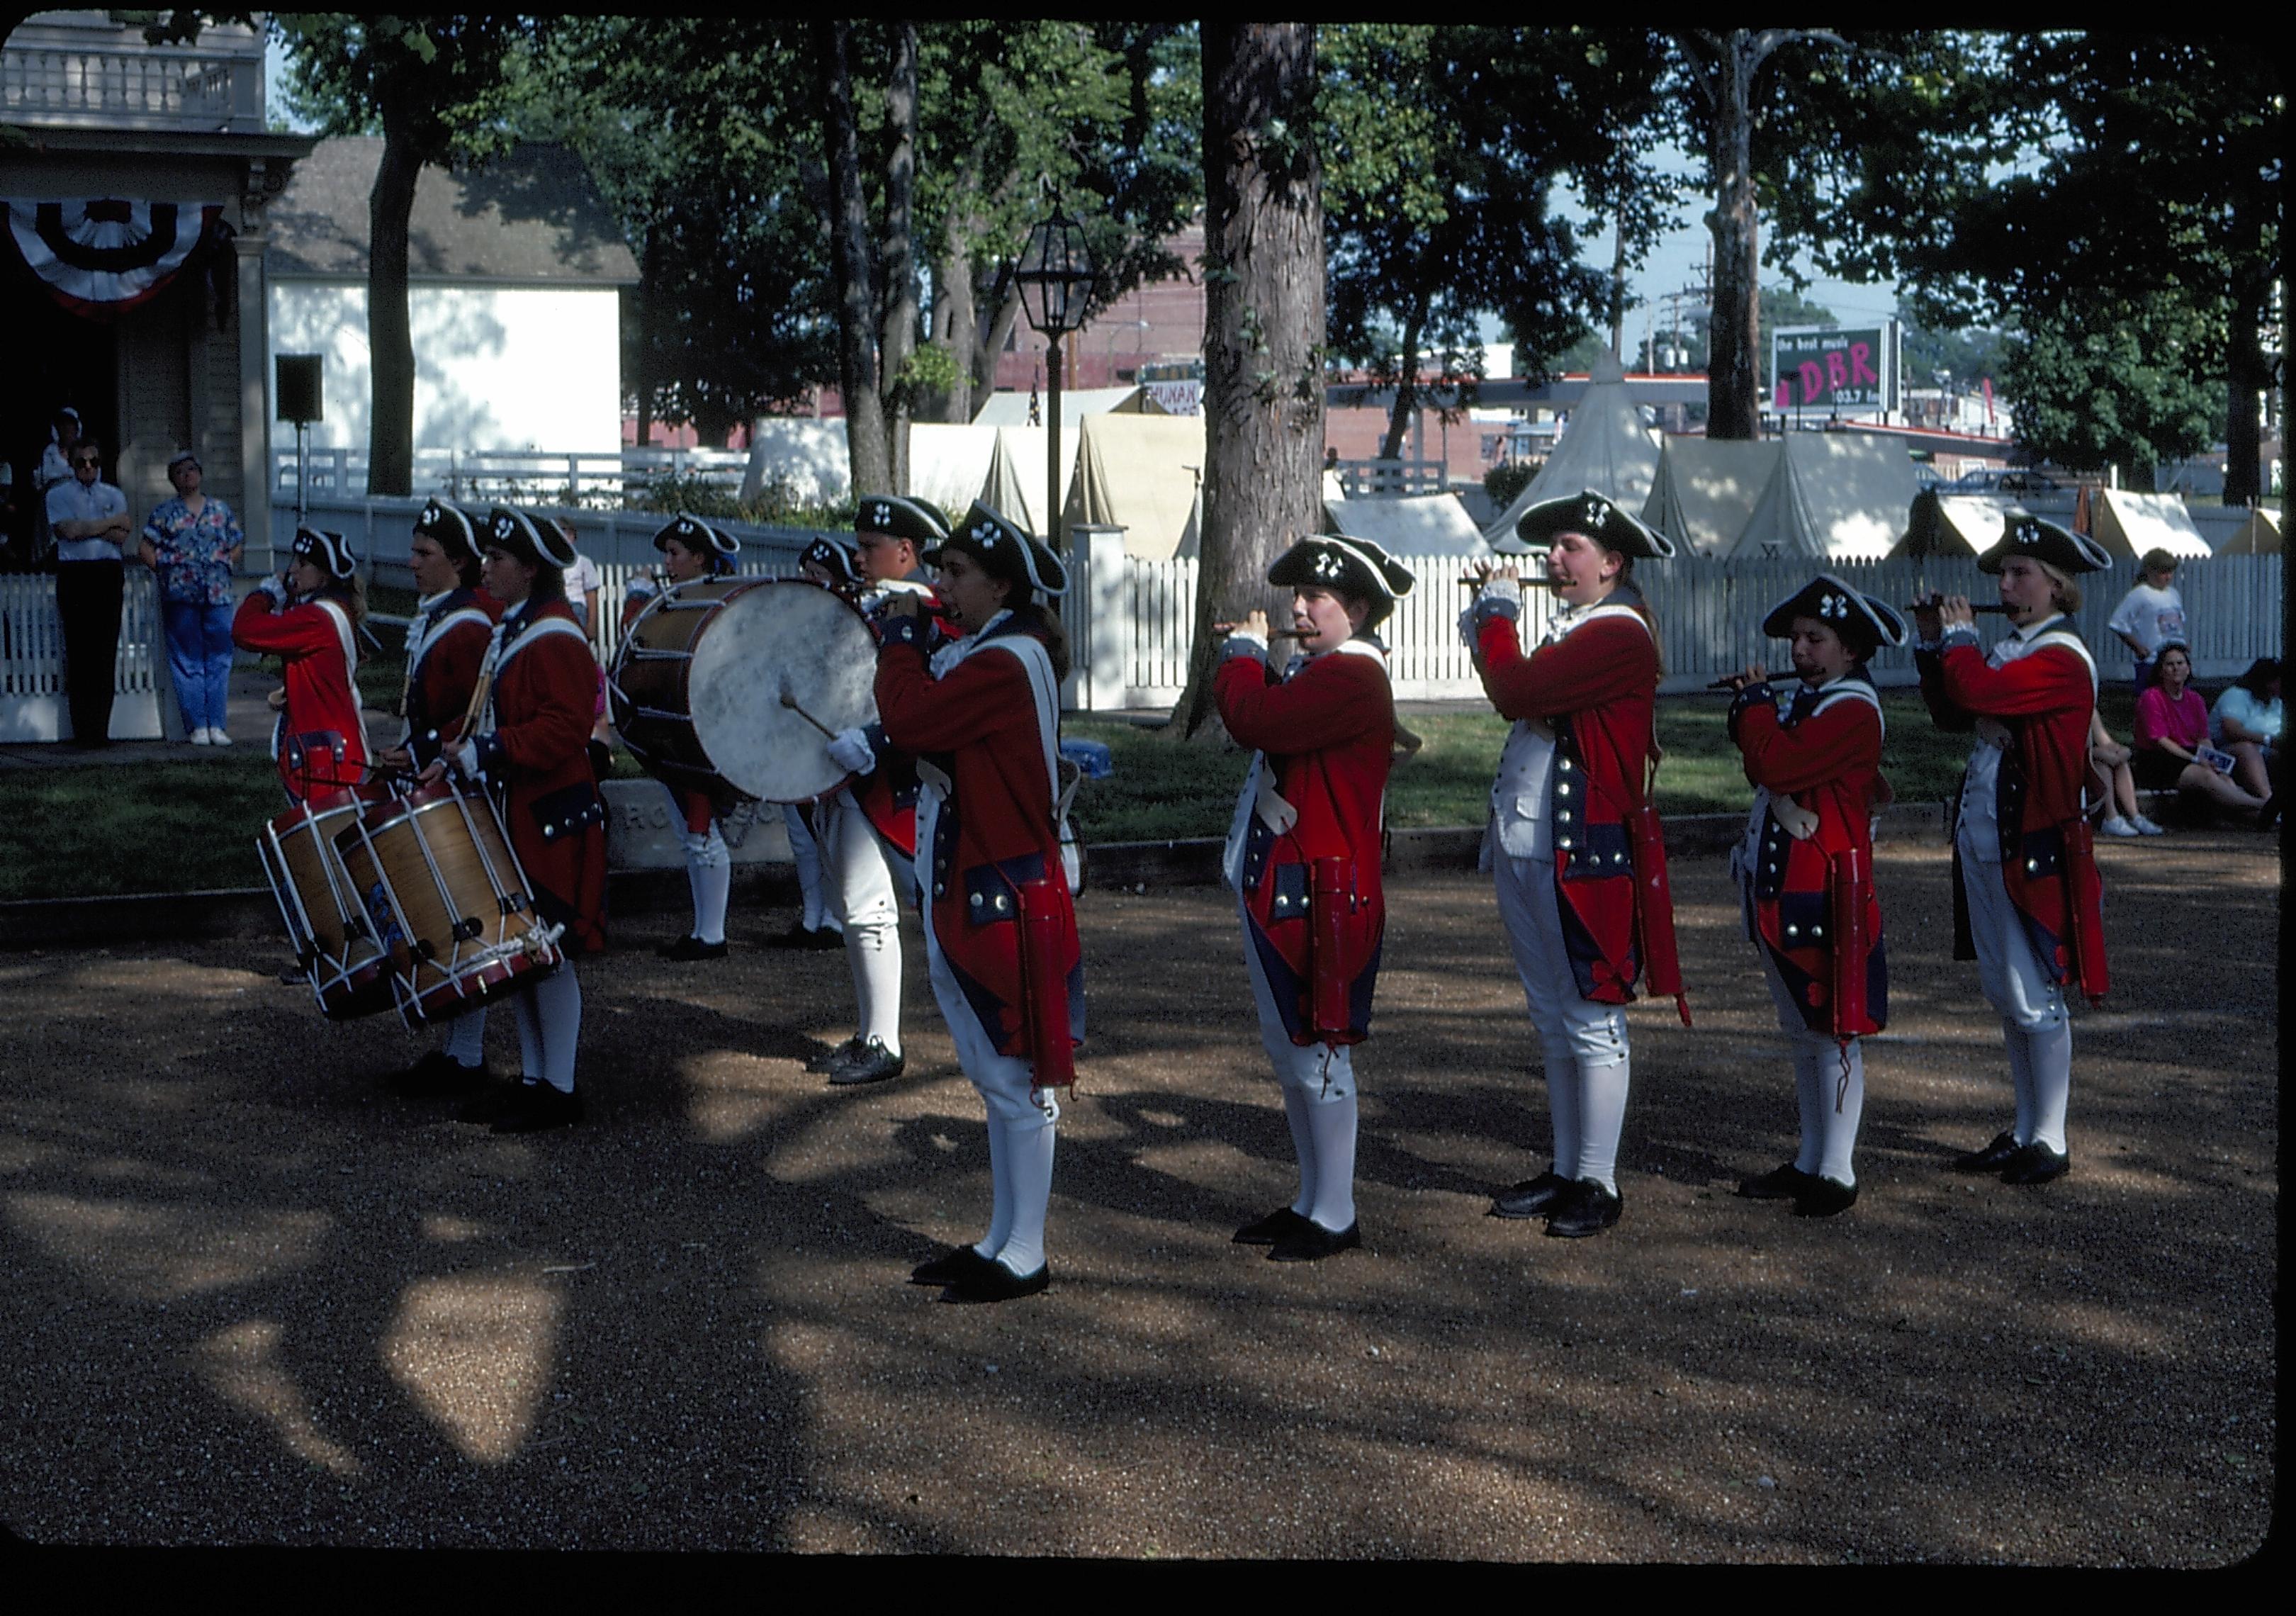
(1706, 490)
(2130, 524)
(1606, 448)
(1014, 486)
(1951, 524)
(809, 455)
(1834, 496)
(1140, 473)
(949, 464)
(1422, 524)
(1011, 409)
(2259, 536)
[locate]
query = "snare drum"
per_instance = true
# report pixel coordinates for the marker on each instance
(649, 686)
(326, 924)
(446, 898)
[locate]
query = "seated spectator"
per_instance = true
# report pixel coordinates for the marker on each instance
(2248, 718)
(2108, 760)
(2172, 736)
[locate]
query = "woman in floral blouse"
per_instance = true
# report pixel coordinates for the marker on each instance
(192, 542)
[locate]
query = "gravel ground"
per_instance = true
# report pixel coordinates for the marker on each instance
(254, 1298)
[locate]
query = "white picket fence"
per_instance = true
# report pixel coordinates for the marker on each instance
(1130, 623)
(514, 476)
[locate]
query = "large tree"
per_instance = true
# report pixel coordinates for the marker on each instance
(1263, 325)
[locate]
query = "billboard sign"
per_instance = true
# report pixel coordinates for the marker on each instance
(1836, 368)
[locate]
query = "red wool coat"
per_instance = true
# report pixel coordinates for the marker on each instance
(447, 645)
(1829, 762)
(1328, 733)
(2045, 700)
(979, 725)
(1595, 687)
(321, 649)
(536, 758)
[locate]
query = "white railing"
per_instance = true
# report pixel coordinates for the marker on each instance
(1372, 479)
(516, 476)
(32, 700)
(1130, 623)
(133, 88)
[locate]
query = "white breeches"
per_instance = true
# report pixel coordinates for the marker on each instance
(2007, 969)
(1006, 1082)
(864, 882)
(1322, 1073)
(1570, 1028)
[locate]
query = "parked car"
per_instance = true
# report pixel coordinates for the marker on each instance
(1994, 480)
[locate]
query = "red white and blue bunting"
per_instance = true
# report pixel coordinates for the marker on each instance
(108, 255)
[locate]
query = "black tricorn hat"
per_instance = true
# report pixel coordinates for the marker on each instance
(918, 520)
(2022, 533)
(451, 525)
(536, 540)
(328, 551)
(1004, 550)
(1601, 520)
(1351, 565)
(697, 535)
(1836, 605)
(834, 555)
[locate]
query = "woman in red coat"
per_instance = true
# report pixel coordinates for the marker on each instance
(311, 619)
(1574, 849)
(982, 716)
(1805, 872)
(532, 752)
(1304, 858)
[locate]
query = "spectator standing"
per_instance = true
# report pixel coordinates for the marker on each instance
(2172, 736)
(2151, 614)
(192, 542)
(89, 519)
(2247, 720)
(54, 470)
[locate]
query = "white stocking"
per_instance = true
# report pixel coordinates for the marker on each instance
(2050, 1052)
(1333, 1123)
(709, 871)
(1028, 1147)
(874, 950)
(2020, 1077)
(530, 1035)
(1000, 1180)
(1563, 1104)
(466, 1038)
(1839, 1128)
(1296, 1106)
(558, 1010)
(1812, 1100)
(1603, 1110)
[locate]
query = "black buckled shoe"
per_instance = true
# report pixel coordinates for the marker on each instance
(1532, 1198)
(948, 1268)
(871, 1062)
(992, 1282)
(848, 1050)
(1311, 1241)
(1588, 1209)
(1787, 1183)
(1824, 1197)
(437, 1073)
(690, 948)
(1266, 1231)
(538, 1106)
(1992, 1158)
(2034, 1163)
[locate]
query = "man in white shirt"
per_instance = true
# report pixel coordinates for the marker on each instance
(2151, 613)
(89, 519)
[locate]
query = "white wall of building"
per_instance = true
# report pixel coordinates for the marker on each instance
(496, 367)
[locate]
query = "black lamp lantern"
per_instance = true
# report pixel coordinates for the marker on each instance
(1056, 277)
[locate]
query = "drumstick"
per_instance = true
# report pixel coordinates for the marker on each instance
(790, 701)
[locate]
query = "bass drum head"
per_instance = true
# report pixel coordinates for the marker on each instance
(787, 636)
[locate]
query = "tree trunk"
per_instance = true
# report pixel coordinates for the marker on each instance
(897, 337)
(957, 316)
(993, 337)
(2245, 379)
(857, 373)
(1733, 374)
(1263, 328)
(1406, 386)
(390, 342)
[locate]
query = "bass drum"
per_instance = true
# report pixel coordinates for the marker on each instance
(780, 663)
(648, 687)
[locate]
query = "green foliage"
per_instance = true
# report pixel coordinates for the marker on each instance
(2113, 384)
(1506, 479)
(1968, 356)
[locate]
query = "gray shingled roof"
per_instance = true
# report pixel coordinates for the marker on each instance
(531, 215)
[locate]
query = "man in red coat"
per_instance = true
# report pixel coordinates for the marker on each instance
(311, 618)
(1303, 856)
(982, 716)
(1805, 872)
(446, 642)
(532, 752)
(2027, 901)
(1573, 845)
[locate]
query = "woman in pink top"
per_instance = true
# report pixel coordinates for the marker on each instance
(2172, 727)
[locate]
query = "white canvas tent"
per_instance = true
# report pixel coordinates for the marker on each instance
(1014, 486)
(1011, 409)
(1140, 473)
(2130, 524)
(1834, 496)
(1956, 524)
(1706, 490)
(2259, 536)
(810, 455)
(1422, 524)
(949, 465)
(1605, 448)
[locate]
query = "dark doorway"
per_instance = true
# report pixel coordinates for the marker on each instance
(59, 358)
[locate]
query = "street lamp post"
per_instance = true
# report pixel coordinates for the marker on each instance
(1056, 277)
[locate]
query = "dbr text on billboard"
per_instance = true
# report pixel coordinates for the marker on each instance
(1835, 369)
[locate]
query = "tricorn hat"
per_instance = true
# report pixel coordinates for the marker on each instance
(537, 541)
(1353, 566)
(451, 525)
(1599, 519)
(697, 535)
(331, 553)
(2022, 533)
(1836, 605)
(918, 520)
(834, 555)
(1004, 549)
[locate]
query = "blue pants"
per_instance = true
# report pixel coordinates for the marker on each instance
(199, 658)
